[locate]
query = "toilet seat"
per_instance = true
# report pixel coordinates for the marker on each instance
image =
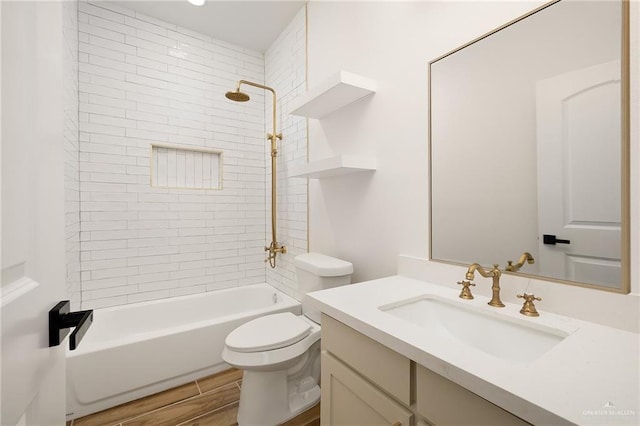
(268, 333)
(272, 359)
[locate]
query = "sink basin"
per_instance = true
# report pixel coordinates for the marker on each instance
(502, 336)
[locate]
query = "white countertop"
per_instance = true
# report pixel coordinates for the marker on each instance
(591, 377)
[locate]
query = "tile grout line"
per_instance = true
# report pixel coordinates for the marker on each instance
(224, 407)
(219, 386)
(121, 421)
(131, 417)
(198, 386)
(186, 422)
(171, 405)
(158, 409)
(182, 400)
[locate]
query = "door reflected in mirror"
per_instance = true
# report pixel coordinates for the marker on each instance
(529, 138)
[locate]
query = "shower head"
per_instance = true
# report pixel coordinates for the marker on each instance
(237, 96)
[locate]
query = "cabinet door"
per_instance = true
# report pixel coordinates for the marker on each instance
(445, 403)
(348, 345)
(350, 400)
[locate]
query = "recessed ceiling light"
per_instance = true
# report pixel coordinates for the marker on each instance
(196, 2)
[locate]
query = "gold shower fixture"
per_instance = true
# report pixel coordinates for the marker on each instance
(238, 96)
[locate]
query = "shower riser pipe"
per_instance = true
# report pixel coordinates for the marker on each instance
(239, 96)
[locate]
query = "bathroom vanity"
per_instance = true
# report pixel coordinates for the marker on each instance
(366, 382)
(395, 351)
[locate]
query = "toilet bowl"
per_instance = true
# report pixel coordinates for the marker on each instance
(280, 353)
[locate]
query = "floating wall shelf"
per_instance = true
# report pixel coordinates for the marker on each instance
(334, 93)
(334, 166)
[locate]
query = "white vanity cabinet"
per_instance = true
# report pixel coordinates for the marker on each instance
(444, 402)
(348, 399)
(366, 383)
(363, 382)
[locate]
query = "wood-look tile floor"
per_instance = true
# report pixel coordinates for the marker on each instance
(210, 401)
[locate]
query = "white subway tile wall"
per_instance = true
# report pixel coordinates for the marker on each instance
(143, 81)
(285, 71)
(71, 149)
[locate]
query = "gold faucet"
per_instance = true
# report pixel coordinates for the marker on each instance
(494, 273)
(529, 309)
(526, 257)
(466, 291)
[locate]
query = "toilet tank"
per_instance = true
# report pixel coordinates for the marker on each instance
(317, 271)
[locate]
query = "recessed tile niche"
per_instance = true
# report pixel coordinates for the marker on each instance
(185, 167)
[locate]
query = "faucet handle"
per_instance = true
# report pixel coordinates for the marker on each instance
(528, 308)
(528, 297)
(466, 291)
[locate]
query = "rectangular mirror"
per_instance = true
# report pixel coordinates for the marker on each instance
(529, 146)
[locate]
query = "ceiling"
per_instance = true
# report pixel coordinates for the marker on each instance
(250, 24)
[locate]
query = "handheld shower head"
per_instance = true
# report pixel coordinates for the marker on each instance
(237, 96)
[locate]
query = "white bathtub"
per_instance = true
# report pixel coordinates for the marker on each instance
(139, 349)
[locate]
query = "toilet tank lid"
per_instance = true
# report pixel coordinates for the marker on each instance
(322, 265)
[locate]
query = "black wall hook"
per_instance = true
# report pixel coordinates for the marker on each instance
(60, 320)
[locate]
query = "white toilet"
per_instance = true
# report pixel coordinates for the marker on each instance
(280, 353)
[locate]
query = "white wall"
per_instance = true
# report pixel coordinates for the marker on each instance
(285, 71)
(144, 81)
(369, 220)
